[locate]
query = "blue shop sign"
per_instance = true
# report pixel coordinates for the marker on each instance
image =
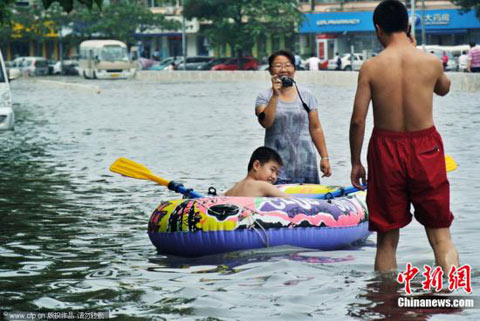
(339, 22)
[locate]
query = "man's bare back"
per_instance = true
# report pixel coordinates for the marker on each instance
(401, 81)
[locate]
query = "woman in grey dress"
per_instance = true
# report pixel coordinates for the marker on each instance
(290, 116)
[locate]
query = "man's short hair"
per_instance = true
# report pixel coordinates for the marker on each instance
(391, 16)
(284, 53)
(264, 155)
(472, 44)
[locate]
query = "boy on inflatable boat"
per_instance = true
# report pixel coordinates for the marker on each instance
(262, 173)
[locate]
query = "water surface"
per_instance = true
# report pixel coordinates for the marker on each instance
(73, 235)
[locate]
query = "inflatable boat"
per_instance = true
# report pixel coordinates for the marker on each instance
(212, 225)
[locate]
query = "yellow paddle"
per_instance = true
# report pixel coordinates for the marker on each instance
(450, 163)
(129, 168)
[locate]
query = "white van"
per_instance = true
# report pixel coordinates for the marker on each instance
(7, 117)
(104, 59)
(452, 64)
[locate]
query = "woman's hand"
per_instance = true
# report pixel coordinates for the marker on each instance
(276, 85)
(325, 167)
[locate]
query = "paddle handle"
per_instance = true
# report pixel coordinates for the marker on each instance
(179, 188)
(339, 192)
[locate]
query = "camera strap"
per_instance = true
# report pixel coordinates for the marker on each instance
(305, 106)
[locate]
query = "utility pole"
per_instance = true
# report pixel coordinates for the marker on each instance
(424, 40)
(312, 35)
(184, 43)
(413, 18)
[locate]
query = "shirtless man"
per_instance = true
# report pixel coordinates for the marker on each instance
(406, 163)
(262, 173)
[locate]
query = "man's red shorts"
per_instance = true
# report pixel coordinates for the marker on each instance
(407, 168)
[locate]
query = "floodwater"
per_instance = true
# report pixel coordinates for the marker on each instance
(73, 235)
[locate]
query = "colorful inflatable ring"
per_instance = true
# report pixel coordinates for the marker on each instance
(211, 225)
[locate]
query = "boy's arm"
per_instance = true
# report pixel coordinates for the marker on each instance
(357, 124)
(269, 190)
(442, 86)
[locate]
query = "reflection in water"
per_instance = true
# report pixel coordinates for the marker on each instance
(382, 294)
(234, 262)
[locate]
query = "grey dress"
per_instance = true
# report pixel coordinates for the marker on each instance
(290, 137)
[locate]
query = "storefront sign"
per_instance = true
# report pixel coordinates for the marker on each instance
(342, 22)
(338, 22)
(437, 19)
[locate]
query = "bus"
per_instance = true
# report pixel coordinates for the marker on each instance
(104, 59)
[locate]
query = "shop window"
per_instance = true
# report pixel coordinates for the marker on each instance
(202, 46)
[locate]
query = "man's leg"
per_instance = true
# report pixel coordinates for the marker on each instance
(445, 252)
(385, 259)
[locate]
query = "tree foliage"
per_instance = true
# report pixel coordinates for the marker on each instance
(467, 5)
(119, 21)
(239, 22)
(6, 6)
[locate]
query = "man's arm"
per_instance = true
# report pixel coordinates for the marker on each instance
(442, 86)
(357, 124)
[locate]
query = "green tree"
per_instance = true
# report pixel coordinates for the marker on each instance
(6, 6)
(467, 5)
(239, 22)
(119, 21)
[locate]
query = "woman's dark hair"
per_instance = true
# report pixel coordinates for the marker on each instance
(264, 155)
(391, 16)
(284, 53)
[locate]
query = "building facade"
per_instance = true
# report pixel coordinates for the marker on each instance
(354, 31)
(330, 26)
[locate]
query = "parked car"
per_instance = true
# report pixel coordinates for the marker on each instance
(453, 53)
(70, 68)
(7, 117)
(245, 63)
(32, 66)
(452, 64)
(144, 63)
(162, 65)
(212, 63)
(51, 64)
(264, 67)
(193, 63)
(346, 62)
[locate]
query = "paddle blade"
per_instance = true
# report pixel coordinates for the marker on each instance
(129, 168)
(450, 163)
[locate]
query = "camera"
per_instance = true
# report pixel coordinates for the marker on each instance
(286, 81)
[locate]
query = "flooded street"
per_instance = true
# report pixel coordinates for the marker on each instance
(73, 234)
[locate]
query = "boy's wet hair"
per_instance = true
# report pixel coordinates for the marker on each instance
(264, 155)
(284, 53)
(391, 16)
